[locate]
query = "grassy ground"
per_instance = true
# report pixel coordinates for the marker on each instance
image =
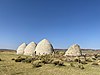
(10, 67)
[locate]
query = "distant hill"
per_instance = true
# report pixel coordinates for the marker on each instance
(60, 49)
(81, 49)
(2, 50)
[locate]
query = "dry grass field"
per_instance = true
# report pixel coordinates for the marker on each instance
(10, 67)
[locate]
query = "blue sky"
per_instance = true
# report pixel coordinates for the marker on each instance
(62, 22)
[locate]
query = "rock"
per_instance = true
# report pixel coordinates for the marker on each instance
(21, 48)
(44, 47)
(74, 51)
(30, 49)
